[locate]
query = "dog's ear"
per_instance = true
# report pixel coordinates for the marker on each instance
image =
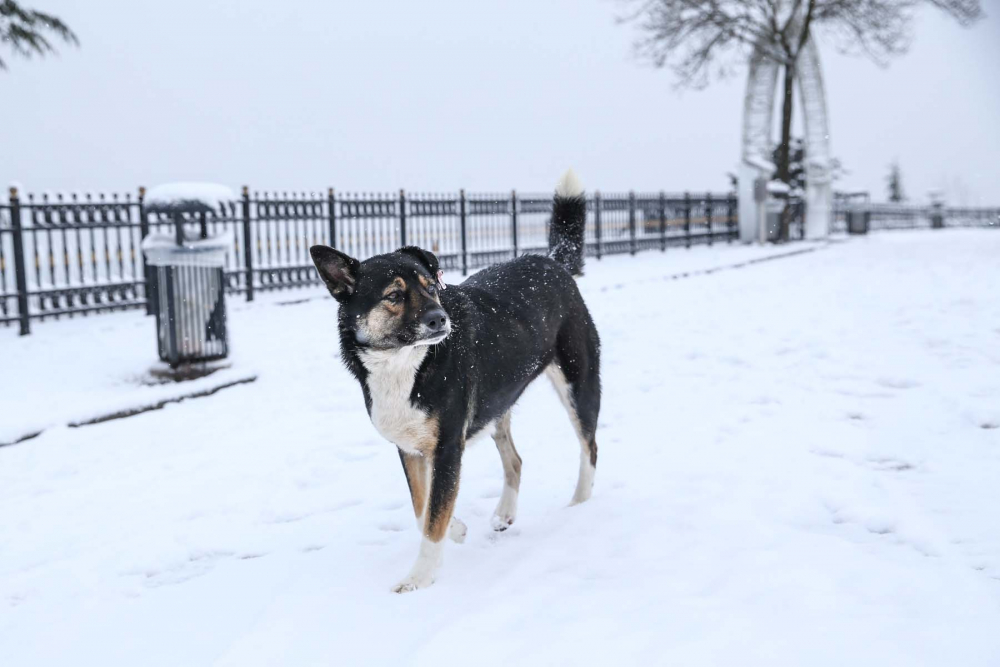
(337, 270)
(426, 258)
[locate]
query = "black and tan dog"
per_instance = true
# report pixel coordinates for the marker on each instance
(437, 366)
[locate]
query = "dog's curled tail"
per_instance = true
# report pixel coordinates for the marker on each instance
(569, 219)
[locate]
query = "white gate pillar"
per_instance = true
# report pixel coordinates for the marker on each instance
(755, 158)
(819, 182)
(819, 207)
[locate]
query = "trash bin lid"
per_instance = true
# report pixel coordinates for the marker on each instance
(188, 197)
(161, 249)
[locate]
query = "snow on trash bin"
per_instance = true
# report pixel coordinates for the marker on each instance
(188, 197)
(161, 249)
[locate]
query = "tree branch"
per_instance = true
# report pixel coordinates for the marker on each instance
(690, 36)
(21, 29)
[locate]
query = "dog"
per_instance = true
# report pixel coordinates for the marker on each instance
(437, 366)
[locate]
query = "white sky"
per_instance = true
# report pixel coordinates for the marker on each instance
(437, 95)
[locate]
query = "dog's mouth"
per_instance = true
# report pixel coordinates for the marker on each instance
(433, 337)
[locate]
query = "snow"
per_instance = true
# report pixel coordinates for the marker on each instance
(88, 367)
(174, 195)
(764, 165)
(798, 465)
(160, 249)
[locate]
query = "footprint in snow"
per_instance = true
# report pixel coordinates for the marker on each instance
(897, 383)
(895, 465)
(372, 542)
(879, 527)
(392, 527)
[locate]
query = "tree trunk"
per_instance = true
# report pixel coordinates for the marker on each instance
(785, 148)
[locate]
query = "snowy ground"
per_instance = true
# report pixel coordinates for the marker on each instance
(798, 466)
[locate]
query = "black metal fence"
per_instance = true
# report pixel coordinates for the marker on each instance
(912, 216)
(62, 256)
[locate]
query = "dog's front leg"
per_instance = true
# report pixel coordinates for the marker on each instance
(417, 471)
(445, 467)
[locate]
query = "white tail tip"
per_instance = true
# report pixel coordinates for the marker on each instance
(569, 185)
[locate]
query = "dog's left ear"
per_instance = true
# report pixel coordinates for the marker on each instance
(338, 271)
(426, 258)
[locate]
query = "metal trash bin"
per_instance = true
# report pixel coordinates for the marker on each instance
(858, 221)
(775, 208)
(937, 214)
(190, 293)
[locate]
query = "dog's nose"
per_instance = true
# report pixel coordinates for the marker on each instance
(434, 319)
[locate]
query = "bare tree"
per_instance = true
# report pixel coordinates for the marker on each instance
(23, 31)
(699, 38)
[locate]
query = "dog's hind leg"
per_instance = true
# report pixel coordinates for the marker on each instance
(574, 374)
(506, 510)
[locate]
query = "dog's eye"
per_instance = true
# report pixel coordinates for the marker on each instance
(431, 290)
(394, 297)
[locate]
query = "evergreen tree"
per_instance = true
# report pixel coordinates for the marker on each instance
(894, 182)
(796, 165)
(23, 31)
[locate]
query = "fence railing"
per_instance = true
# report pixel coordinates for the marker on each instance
(62, 256)
(912, 216)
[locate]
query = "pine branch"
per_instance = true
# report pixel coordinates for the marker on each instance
(22, 30)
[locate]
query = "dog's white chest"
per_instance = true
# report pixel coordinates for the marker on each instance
(391, 375)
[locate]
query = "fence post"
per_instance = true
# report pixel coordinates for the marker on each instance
(708, 215)
(331, 202)
(597, 222)
(631, 222)
(687, 220)
(731, 206)
(513, 220)
(402, 217)
(149, 276)
(247, 244)
(461, 219)
(663, 221)
(19, 273)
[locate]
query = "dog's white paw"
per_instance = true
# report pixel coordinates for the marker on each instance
(457, 530)
(501, 523)
(422, 574)
(506, 511)
(412, 583)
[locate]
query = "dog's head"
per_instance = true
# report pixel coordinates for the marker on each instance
(388, 301)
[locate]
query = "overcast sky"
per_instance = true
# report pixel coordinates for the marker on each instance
(436, 95)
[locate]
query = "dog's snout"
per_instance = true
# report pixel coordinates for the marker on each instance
(434, 319)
